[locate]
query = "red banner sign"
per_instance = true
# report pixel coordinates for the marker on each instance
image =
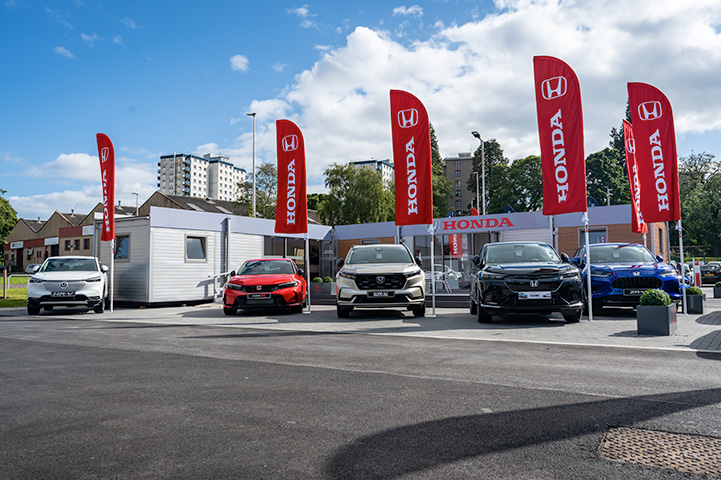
(560, 127)
(656, 155)
(637, 223)
(455, 244)
(411, 160)
(106, 153)
(291, 210)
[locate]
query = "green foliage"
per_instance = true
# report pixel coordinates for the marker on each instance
(442, 187)
(694, 291)
(315, 199)
(17, 297)
(266, 189)
(317, 280)
(496, 175)
(717, 284)
(605, 175)
(8, 217)
(655, 297)
(525, 185)
(355, 195)
(327, 280)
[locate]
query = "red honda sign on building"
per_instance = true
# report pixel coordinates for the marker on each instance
(560, 128)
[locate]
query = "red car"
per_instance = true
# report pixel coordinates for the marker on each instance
(266, 283)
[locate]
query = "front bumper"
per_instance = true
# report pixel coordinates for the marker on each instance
(278, 299)
(349, 295)
(498, 298)
(83, 295)
(605, 294)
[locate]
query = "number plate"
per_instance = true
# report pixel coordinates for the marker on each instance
(534, 295)
(634, 292)
(62, 294)
(381, 294)
(259, 296)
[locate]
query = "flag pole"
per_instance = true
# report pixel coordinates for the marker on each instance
(112, 272)
(588, 268)
(431, 230)
(683, 274)
(307, 271)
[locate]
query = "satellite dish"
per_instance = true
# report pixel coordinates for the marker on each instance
(592, 202)
(508, 209)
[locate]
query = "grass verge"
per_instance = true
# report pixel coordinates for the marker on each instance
(17, 297)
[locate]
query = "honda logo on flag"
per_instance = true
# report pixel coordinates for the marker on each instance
(408, 118)
(290, 143)
(630, 145)
(104, 154)
(650, 110)
(554, 88)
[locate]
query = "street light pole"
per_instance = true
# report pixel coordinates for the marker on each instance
(478, 193)
(483, 168)
(253, 115)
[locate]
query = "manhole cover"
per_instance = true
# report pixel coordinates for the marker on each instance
(685, 453)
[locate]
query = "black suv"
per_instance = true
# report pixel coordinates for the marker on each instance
(525, 277)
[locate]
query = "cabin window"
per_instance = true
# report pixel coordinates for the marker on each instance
(195, 248)
(122, 247)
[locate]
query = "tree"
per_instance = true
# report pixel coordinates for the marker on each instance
(8, 216)
(315, 199)
(525, 185)
(496, 175)
(442, 187)
(355, 195)
(605, 175)
(266, 189)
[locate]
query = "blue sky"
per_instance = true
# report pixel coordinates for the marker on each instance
(161, 77)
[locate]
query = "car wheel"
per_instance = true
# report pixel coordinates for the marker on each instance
(33, 310)
(474, 307)
(343, 312)
(419, 311)
(100, 307)
(49, 308)
(296, 309)
(230, 311)
(573, 317)
(483, 316)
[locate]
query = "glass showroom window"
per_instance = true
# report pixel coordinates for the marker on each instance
(122, 247)
(195, 248)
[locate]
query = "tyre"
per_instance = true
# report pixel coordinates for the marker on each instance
(474, 307)
(419, 311)
(343, 312)
(100, 307)
(483, 316)
(33, 310)
(296, 309)
(230, 311)
(573, 317)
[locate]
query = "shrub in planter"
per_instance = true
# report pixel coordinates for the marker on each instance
(694, 299)
(655, 315)
(317, 280)
(327, 279)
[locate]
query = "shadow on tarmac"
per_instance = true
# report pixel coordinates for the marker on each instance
(424, 446)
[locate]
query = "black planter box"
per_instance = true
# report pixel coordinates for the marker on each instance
(716, 292)
(656, 320)
(694, 304)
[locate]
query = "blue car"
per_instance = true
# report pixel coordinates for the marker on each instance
(621, 272)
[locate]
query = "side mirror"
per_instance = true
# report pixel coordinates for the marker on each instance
(103, 268)
(476, 260)
(576, 261)
(659, 258)
(419, 262)
(301, 272)
(340, 263)
(564, 257)
(232, 273)
(36, 268)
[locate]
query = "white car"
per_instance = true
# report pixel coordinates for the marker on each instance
(68, 282)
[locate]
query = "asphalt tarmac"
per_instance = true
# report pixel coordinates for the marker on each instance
(186, 392)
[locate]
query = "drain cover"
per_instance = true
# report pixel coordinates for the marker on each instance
(684, 453)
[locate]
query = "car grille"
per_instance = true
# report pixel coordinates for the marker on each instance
(636, 282)
(523, 284)
(390, 282)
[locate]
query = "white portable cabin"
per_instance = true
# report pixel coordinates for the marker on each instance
(161, 259)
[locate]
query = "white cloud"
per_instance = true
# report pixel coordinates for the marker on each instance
(130, 23)
(302, 12)
(412, 11)
(279, 67)
(91, 39)
(239, 63)
(63, 52)
(118, 40)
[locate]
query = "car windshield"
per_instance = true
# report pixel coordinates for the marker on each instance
(70, 265)
(379, 255)
(520, 253)
(260, 267)
(621, 254)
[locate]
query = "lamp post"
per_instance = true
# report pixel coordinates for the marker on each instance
(478, 192)
(253, 115)
(483, 168)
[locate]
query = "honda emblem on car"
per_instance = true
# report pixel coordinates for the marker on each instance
(380, 280)
(534, 283)
(554, 87)
(636, 274)
(63, 284)
(408, 118)
(259, 287)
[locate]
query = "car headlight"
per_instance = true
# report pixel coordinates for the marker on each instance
(233, 286)
(570, 274)
(413, 273)
(95, 279)
(35, 280)
(669, 273)
(602, 274)
(492, 276)
(349, 276)
(292, 284)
